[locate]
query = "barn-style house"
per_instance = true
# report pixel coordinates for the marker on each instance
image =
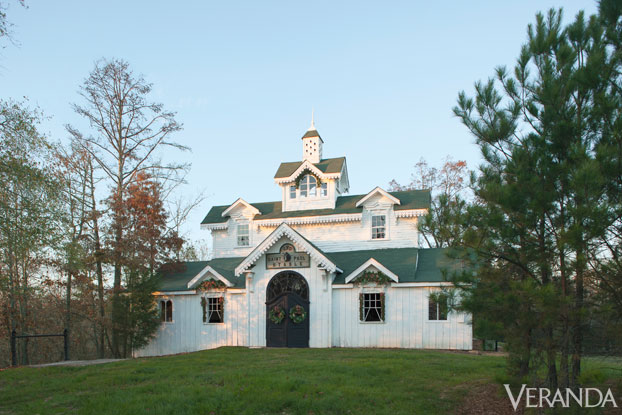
(319, 268)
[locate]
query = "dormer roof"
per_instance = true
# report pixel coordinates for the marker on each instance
(240, 202)
(380, 191)
(332, 166)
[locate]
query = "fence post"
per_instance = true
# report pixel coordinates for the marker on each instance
(13, 349)
(66, 338)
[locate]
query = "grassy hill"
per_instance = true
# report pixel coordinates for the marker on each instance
(258, 381)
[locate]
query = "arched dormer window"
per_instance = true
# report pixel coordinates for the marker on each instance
(308, 186)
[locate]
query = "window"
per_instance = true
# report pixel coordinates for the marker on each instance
(378, 227)
(437, 310)
(243, 239)
(215, 312)
(308, 186)
(324, 189)
(166, 311)
(371, 307)
(292, 192)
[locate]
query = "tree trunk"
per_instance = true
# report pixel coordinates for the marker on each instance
(99, 270)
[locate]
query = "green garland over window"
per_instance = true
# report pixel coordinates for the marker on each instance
(210, 285)
(369, 277)
(310, 173)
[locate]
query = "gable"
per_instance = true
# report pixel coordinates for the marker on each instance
(240, 208)
(378, 196)
(285, 230)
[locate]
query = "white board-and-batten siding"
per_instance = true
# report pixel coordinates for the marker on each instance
(188, 333)
(406, 323)
(333, 317)
(329, 237)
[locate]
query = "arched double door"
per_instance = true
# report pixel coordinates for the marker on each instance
(285, 291)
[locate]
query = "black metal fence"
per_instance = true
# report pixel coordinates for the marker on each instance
(14, 338)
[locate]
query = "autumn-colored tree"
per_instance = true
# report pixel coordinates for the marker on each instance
(441, 226)
(146, 245)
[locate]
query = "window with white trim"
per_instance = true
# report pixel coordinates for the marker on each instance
(308, 186)
(371, 307)
(437, 310)
(292, 192)
(166, 311)
(243, 234)
(214, 311)
(324, 189)
(378, 227)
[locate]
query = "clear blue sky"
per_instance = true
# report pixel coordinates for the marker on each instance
(243, 76)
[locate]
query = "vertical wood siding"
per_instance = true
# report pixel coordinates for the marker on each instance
(406, 322)
(333, 313)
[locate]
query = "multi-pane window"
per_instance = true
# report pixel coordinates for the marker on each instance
(166, 310)
(308, 186)
(215, 310)
(243, 239)
(324, 189)
(292, 192)
(372, 307)
(378, 226)
(437, 310)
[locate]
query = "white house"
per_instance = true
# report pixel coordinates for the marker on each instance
(317, 268)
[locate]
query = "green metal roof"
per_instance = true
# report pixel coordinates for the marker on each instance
(428, 267)
(400, 261)
(433, 262)
(178, 277)
(409, 199)
(327, 166)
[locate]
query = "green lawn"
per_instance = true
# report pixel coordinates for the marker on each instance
(255, 381)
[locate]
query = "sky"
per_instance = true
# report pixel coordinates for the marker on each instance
(243, 78)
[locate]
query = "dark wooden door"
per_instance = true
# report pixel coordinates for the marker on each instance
(287, 290)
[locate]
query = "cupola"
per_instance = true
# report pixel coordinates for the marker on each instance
(312, 144)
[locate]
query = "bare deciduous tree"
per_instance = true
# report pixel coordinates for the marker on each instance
(129, 132)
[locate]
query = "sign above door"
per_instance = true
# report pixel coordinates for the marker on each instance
(288, 258)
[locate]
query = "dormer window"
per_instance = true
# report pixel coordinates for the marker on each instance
(324, 189)
(308, 186)
(243, 234)
(292, 192)
(378, 227)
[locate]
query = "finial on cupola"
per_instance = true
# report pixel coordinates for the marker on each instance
(312, 143)
(312, 121)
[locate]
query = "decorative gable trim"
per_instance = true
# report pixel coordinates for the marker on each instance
(310, 220)
(376, 264)
(410, 213)
(274, 237)
(212, 271)
(253, 209)
(215, 226)
(383, 192)
(307, 165)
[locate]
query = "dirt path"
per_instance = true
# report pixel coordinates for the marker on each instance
(78, 362)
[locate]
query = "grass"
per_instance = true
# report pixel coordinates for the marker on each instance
(255, 381)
